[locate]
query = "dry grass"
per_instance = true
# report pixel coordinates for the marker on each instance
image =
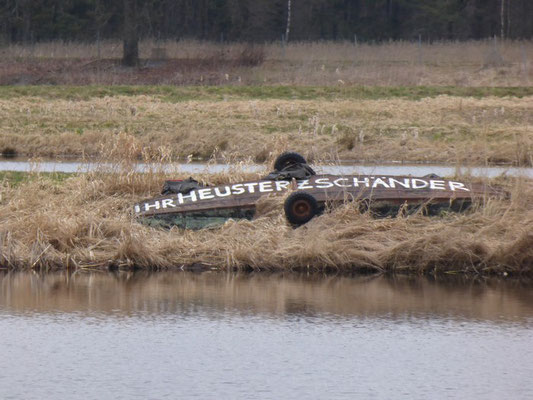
(442, 129)
(471, 63)
(86, 221)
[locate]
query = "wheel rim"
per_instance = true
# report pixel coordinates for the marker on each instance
(301, 209)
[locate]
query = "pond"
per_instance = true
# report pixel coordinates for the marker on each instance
(93, 335)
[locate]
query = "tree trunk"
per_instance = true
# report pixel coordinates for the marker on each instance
(502, 19)
(288, 30)
(508, 30)
(130, 56)
(26, 21)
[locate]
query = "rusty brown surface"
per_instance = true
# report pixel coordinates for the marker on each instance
(340, 188)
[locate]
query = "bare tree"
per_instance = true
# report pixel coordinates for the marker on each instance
(502, 19)
(130, 56)
(25, 7)
(101, 17)
(508, 30)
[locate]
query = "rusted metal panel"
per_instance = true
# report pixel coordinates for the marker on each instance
(223, 199)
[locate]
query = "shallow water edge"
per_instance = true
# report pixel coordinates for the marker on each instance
(87, 223)
(344, 168)
(356, 271)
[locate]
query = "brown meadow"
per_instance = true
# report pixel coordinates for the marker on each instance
(451, 129)
(191, 62)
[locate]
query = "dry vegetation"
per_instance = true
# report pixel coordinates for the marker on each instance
(86, 221)
(473, 63)
(452, 129)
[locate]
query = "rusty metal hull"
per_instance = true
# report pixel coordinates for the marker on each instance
(211, 206)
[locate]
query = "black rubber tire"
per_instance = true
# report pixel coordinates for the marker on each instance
(288, 158)
(300, 208)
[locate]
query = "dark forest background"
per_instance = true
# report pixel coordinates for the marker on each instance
(265, 20)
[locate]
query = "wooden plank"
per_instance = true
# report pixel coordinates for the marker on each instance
(324, 188)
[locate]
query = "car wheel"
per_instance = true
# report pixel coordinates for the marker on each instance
(300, 208)
(288, 158)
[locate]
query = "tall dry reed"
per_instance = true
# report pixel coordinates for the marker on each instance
(87, 222)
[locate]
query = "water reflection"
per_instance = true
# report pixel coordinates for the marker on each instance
(277, 295)
(259, 336)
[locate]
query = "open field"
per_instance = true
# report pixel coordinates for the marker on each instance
(188, 62)
(473, 126)
(85, 221)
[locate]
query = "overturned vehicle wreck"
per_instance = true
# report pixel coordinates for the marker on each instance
(188, 204)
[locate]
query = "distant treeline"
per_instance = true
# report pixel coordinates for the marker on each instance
(266, 20)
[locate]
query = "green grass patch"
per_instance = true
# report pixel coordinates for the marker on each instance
(15, 178)
(213, 93)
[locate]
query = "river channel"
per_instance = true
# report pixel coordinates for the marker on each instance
(95, 335)
(339, 169)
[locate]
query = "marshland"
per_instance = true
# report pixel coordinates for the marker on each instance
(249, 114)
(85, 220)
(101, 102)
(491, 126)
(329, 100)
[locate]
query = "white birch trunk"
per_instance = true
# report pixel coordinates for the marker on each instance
(287, 31)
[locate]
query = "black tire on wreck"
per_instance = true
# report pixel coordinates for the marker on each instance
(300, 208)
(288, 158)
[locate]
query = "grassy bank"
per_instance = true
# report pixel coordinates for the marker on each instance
(175, 94)
(86, 221)
(436, 124)
(16, 178)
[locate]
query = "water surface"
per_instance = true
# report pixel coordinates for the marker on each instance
(352, 169)
(217, 335)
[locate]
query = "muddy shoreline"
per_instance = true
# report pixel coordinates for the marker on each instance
(356, 271)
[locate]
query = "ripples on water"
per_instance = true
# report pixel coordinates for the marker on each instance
(215, 335)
